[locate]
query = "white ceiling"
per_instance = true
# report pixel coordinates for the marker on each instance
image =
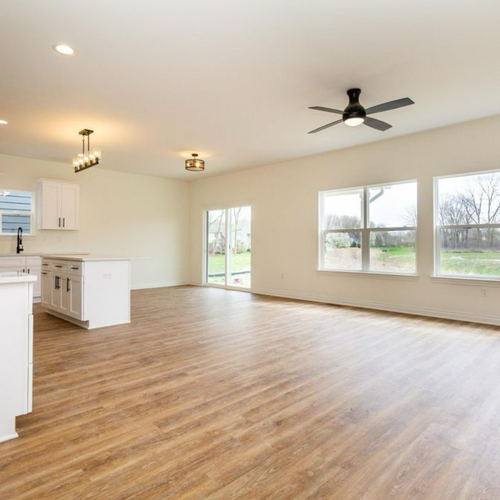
(234, 78)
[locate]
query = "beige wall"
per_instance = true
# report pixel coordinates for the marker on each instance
(121, 214)
(284, 198)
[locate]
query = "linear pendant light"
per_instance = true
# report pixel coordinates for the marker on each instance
(89, 158)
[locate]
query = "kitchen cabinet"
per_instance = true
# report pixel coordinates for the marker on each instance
(89, 291)
(16, 350)
(29, 265)
(58, 205)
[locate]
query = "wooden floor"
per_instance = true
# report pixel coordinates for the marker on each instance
(211, 394)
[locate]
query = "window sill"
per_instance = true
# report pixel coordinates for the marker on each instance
(462, 280)
(370, 274)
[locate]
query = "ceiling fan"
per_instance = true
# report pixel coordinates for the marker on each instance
(355, 114)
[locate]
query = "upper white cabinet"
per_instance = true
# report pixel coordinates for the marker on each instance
(58, 205)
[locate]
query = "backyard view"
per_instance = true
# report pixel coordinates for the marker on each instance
(469, 218)
(235, 235)
(390, 229)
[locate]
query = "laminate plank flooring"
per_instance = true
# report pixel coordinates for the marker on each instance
(213, 394)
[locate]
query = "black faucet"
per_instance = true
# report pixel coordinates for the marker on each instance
(19, 248)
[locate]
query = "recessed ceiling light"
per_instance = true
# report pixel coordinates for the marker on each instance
(3, 122)
(65, 50)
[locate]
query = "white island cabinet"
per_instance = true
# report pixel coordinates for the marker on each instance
(16, 349)
(87, 290)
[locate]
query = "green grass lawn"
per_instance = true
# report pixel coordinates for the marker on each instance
(466, 263)
(239, 262)
(452, 262)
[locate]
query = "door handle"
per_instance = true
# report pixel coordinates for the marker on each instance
(67, 285)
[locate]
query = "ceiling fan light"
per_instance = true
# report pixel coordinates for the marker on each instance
(354, 121)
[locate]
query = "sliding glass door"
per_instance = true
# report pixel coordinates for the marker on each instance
(228, 247)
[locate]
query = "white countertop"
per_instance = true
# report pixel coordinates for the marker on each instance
(16, 277)
(84, 257)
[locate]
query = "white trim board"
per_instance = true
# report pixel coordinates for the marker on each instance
(380, 306)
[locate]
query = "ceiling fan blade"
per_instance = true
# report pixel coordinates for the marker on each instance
(377, 124)
(328, 110)
(324, 126)
(387, 106)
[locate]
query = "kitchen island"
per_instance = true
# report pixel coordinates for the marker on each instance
(16, 349)
(91, 291)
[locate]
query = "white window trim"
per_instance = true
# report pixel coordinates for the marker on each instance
(464, 279)
(364, 231)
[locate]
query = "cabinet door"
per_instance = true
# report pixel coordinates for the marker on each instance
(55, 302)
(47, 281)
(70, 206)
(37, 285)
(76, 296)
(65, 294)
(50, 205)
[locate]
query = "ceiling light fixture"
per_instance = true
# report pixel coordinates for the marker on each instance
(65, 50)
(194, 164)
(354, 121)
(3, 122)
(89, 158)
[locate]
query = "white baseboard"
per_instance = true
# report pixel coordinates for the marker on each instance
(9, 437)
(381, 306)
(143, 286)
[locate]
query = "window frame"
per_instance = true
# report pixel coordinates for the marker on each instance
(365, 231)
(19, 212)
(226, 207)
(437, 229)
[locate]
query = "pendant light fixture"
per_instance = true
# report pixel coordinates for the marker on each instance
(89, 158)
(194, 164)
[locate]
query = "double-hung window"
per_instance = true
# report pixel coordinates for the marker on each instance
(369, 229)
(467, 225)
(16, 211)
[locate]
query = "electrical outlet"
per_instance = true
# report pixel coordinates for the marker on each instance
(107, 276)
(484, 292)
(282, 276)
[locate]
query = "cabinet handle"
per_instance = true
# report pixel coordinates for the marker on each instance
(67, 285)
(58, 266)
(43, 272)
(59, 221)
(29, 272)
(64, 221)
(44, 264)
(57, 285)
(74, 267)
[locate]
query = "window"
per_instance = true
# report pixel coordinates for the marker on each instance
(467, 221)
(16, 210)
(371, 228)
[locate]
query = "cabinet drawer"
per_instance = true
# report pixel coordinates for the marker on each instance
(75, 268)
(56, 266)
